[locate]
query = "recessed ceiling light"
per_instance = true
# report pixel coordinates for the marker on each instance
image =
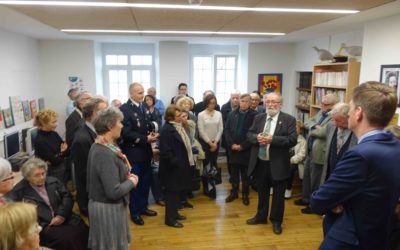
(173, 32)
(173, 6)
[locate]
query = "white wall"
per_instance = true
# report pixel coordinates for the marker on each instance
(272, 58)
(60, 59)
(381, 46)
(20, 73)
(173, 68)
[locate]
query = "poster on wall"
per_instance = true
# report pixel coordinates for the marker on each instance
(17, 110)
(390, 75)
(27, 110)
(32, 105)
(8, 119)
(269, 83)
(41, 103)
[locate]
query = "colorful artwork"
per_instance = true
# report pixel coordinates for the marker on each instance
(8, 119)
(1, 120)
(16, 110)
(32, 105)
(27, 110)
(269, 83)
(41, 103)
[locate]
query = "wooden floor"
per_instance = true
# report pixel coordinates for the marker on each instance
(214, 224)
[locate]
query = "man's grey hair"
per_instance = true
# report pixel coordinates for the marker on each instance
(82, 95)
(331, 98)
(342, 109)
(32, 164)
(235, 92)
(91, 106)
(5, 169)
(106, 119)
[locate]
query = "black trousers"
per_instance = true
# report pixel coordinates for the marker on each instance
(171, 205)
(81, 194)
(293, 170)
(264, 183)
(239, 171)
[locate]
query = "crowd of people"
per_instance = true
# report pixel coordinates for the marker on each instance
(348, 164)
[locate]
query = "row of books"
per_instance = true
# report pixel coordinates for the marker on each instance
(321, 92)
(331, 79)
(19, 111)
(305, 80)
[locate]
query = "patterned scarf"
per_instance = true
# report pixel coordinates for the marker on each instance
(116, 150)
(185, 138)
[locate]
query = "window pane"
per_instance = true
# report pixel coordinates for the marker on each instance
(122, 60)
(136, 76)
(141, 60)
(122, 76)
(230, 63)
(147, 60)
(221, 63)
(230, 75)
(113, 76)
(220, 75)
(111, 60)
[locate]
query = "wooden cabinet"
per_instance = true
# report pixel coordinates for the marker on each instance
(337, 78)
(303, 95)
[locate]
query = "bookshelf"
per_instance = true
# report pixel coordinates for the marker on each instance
(337, 78)
(303, 95)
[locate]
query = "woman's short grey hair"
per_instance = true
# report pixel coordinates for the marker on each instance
(5, 169)
(31, 164)
(342, 109)
(106, 119)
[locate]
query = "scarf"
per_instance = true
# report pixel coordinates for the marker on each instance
(181, 131)
(116, 150)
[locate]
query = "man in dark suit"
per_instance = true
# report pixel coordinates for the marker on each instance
(72, 124)
(272, 135)
(238, 145)
(232, 104)
(83, 140)
(137, 135)
(362, 191)
(75, 119)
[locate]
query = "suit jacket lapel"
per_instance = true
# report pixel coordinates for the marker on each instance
(278, 124)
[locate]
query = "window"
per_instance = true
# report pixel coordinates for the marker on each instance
(124, 64)
(217, 73)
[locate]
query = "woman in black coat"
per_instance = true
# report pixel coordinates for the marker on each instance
(175, 160)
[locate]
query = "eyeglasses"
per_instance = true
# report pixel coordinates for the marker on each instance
(326, 104)
(10, 177)
(272, 102)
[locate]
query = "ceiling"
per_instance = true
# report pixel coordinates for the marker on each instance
(195, 20)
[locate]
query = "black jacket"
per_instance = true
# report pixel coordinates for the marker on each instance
(239, 157)
(59, 197)
(72, 124)
(174, 171)
(84, 138)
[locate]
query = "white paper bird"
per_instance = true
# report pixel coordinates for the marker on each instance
(323, 54)
(352, 50)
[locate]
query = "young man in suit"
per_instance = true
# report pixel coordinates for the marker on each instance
(362, 191)
(272, 135)
(83, 140)
(137, 136)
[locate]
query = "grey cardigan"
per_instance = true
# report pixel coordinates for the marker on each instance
(107, 176)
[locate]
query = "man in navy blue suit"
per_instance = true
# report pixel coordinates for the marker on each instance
(137, 135)
(360, 195)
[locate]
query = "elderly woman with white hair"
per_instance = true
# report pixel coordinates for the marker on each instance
(61, 228)
(6, 179)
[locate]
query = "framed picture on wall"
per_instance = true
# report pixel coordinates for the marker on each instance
(390, 75)
(268, 83)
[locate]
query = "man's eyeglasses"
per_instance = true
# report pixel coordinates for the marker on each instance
(272, 102)
(326, 104)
